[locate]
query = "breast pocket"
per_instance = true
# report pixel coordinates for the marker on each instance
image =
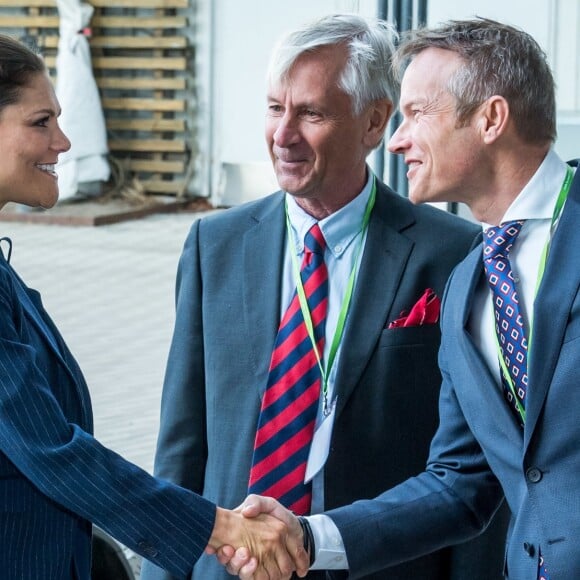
(407, 359)
(428, 334)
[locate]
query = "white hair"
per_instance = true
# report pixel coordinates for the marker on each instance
(367, 75)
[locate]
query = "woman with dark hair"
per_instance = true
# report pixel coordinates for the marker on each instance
(55, 478)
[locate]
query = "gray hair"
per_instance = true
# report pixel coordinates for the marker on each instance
(498, 60)
(367, 75)
(17, 64)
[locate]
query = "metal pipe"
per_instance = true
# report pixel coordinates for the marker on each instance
(383, 14)
(422, 13)
(404, 19)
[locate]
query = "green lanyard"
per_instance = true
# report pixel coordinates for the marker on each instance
(562, 196)
(325, 369)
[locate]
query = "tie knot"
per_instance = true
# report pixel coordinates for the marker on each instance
(498, 241)
(314, 240)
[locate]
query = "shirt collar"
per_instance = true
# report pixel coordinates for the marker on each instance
(339, 229)
(538, 198)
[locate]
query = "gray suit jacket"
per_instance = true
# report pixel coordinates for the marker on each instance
(479, 452)
(228, 310)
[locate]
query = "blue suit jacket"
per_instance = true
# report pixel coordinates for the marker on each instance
(55, 478)
(479, 452)
(228, 312)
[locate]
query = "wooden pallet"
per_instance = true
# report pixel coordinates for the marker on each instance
(142, 65)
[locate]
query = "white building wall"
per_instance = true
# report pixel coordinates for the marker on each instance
(233, 57)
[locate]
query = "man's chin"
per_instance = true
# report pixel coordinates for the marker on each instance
(295, 184)
(291, 186)
(415, 198)
(299, 193)
(418, 196)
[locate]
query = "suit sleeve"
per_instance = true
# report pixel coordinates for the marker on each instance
(182, 446)
(158, 520)
(453, 500)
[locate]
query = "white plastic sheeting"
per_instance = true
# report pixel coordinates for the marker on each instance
(82, 117)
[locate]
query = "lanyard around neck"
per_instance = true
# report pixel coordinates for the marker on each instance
(325, 368)
(562, 196)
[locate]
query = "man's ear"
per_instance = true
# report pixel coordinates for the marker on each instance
(494, 116)
(377, 116)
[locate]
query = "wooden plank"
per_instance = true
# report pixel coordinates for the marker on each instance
(139, 63)
(140, 3)
(29, 21)
(160, 186)
(166, 22)
(163, 42)
(148, 145)
(31, 3)
(45, 41)
(142, 83)
(153, 125)
(155, 166)
(130, 63)
(123, 104)
(102, 3)
(158, 42)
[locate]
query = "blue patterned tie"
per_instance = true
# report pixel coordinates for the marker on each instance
(290, 403)
(542, 571)
(509, 325)
(508, 319)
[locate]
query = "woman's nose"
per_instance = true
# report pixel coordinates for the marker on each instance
(61, 141)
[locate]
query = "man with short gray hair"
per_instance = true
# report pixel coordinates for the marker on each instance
(304, 359)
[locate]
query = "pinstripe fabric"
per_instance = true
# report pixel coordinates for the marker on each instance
(55, 477)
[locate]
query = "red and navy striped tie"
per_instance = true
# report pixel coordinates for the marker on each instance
(290, 403)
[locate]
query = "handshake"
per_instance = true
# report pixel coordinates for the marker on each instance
(260, 539)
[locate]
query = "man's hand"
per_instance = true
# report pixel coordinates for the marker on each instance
(267, 537)
(241, 563)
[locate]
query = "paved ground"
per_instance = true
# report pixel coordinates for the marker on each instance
(110, 290)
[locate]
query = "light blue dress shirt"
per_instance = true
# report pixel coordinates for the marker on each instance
(534, 204)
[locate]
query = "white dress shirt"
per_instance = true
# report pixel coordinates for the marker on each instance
(535, 204)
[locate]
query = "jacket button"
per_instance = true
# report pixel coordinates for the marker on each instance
(534, 475)
(147, 550)
(529, 549)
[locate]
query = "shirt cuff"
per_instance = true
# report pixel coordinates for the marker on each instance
(330, 552)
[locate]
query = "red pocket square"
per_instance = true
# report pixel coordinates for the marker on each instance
(425, 311)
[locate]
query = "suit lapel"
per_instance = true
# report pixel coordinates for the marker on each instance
(383, 262)
(552, 306)
(263, 259)
(35, 314)
(47, 331)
